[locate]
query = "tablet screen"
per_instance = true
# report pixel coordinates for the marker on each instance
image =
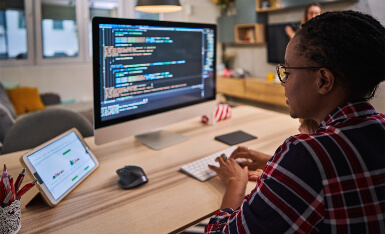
(61, 164)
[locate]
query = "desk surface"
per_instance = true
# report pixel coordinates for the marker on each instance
(170, 200)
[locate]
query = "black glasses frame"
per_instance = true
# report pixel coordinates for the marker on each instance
(280, 66)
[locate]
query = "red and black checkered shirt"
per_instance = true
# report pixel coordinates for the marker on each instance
(332, 181)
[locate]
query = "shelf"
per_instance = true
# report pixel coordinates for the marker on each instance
(249, 34)
(268, 5)
(269, 9)
(263, 6)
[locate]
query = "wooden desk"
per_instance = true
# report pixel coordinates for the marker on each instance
(170, 201)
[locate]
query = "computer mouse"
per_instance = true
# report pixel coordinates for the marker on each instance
(131, 177)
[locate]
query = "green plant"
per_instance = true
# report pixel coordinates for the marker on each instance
(224, 5)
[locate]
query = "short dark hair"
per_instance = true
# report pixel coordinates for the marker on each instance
(351, 44)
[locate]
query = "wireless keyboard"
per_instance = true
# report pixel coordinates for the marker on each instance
(199, 169)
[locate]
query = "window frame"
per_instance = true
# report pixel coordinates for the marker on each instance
(39, 37)
(28, 9)
(35, 37)
(121, 13)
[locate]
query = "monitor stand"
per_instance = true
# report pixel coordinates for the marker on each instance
(160, 139)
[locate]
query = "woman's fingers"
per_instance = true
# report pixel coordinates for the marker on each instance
(239, 150)
(251, 165)
(221, 159)
(254, 175)
(214, 168)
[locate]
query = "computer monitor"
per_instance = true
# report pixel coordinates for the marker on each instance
(149, 74)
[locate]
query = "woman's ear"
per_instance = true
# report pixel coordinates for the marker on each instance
(325, 81)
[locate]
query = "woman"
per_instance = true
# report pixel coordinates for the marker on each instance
(311, 11)
(333, 180)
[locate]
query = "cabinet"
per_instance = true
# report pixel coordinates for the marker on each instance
(256, 89)
(231, 86)
(249, 33)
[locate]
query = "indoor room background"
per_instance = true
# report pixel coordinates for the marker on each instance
(69, 73)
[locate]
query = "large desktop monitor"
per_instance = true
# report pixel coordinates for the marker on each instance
(148, 74)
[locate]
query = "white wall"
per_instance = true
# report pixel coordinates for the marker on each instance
(69, 81)
(199, 11)
(75, 81)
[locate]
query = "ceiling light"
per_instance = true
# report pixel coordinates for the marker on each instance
(158, 6)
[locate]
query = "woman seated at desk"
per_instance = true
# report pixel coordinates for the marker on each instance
(307, 126)
(333, 180)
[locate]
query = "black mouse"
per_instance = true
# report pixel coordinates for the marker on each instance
(131, 176)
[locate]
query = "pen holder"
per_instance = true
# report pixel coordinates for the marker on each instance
(10, 221)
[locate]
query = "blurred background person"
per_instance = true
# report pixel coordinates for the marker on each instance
(311, 11)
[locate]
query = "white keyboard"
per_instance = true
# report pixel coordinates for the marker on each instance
(199, 169)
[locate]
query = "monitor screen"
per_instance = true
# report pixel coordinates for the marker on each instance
(277, 40)
(144, 68)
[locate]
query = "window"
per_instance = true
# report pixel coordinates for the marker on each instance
(58, 24)
(54, 31)
(59, 29)
(101, 8)
(22, 23)
(13, 33)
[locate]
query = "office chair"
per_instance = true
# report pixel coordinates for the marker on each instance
(36, 128)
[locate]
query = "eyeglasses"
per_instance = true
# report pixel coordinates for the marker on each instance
(283, 74)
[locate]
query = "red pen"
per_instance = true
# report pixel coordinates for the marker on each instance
(6, 200)
(13, 197)
(19, 180)
(4, 179)
(7, 186)
(1, 189)
(25, 189)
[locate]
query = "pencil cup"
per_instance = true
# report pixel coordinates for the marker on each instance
(10, 218)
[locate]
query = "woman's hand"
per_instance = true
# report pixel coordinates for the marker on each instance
(235, 177)
(289, 31)
(254, 160)
(230, 170)
(254, 175)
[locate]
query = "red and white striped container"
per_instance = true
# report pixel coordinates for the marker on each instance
(223, 111)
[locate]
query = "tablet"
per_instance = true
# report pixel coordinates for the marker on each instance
(60, 165)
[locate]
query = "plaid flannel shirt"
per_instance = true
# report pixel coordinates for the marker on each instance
(332, 181)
